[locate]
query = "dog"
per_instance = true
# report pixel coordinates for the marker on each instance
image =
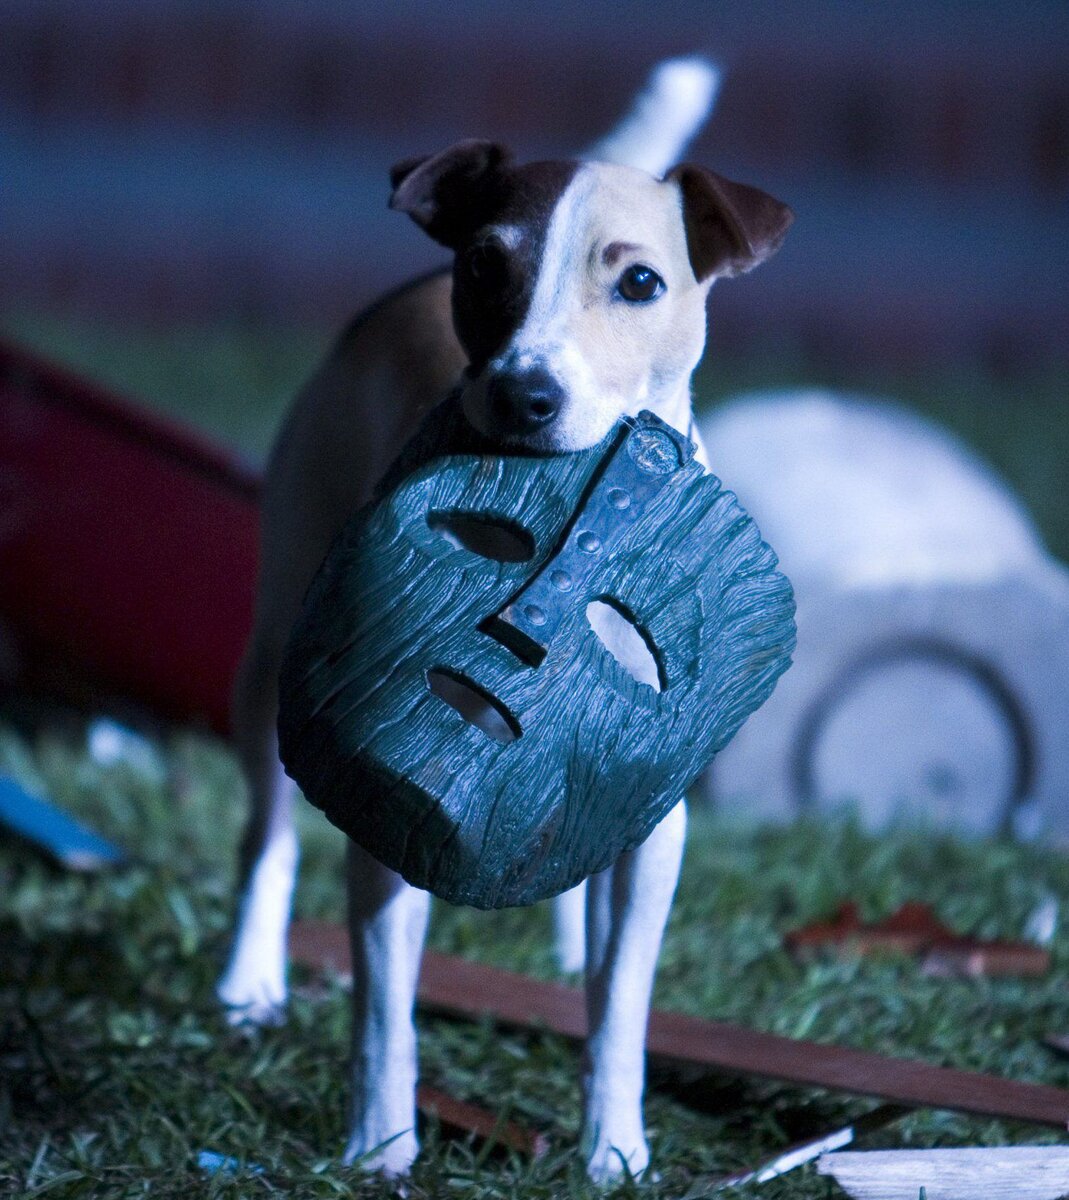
(577, 294)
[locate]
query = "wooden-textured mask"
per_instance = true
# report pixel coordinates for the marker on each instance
(446, 700)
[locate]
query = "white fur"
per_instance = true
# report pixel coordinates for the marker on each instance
(627, 908)
(569, 929)
(664, 117)
(387, 923)
(253, 987)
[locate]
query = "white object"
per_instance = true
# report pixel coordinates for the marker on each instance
(111, 744)
(992, 1173)
(931, 676)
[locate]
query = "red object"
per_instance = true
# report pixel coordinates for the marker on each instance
(914, 929)
(128, 544)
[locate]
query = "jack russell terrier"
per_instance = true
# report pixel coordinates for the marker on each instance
(577, 294)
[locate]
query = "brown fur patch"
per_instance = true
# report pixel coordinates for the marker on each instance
(488, 307)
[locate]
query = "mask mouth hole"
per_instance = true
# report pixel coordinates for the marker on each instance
(627, 642)
(484, 534)
(474, 704)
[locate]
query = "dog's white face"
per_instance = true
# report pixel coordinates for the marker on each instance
(579, 289)
(616, 320)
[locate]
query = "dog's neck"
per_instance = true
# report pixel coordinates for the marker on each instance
(677, 408)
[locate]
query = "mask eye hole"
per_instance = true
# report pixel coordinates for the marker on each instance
(477, 707)
(627, 642)
(488, 536)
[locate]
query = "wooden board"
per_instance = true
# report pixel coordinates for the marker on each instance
(974, 1173)
(460, 1117)
(914, 929)
(458, 988)
(808, 1149)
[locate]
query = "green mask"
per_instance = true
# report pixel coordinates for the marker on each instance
(582, 759)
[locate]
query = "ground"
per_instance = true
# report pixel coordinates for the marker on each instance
(116, 1069)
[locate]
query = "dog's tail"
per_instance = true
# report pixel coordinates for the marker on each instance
(665, 116)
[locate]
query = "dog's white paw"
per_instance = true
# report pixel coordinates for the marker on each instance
(255, 1016)
(613, 1149)
(388, 1156)
(252, 1000)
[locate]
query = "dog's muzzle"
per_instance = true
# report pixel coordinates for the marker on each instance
(519, 403)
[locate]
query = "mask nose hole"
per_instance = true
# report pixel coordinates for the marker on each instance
(475, 705)
(627, 642)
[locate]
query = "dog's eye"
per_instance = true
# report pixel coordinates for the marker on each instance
(486, 265)
(638, 284)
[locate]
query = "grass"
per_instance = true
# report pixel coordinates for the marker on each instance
(232, 382)
(116, 1069)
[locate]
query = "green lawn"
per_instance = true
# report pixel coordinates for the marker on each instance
(115, 1068)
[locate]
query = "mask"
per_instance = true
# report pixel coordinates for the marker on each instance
(445, 698)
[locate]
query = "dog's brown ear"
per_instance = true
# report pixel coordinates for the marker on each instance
(731, 228)
(442, 193)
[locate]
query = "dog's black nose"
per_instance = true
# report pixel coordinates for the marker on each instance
(520, 402)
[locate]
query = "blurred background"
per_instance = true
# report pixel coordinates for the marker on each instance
(194, 194)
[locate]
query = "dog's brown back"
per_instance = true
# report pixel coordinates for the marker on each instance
(351, 419)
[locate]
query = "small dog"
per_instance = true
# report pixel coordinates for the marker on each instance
(577, 294)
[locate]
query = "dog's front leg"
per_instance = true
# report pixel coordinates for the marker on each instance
(387, 923)
(569, 928)
(627, 907)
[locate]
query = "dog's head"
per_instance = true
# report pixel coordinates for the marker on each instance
(579, 288)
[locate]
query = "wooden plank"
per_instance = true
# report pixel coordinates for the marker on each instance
(990, 1173)
(914, 929)
(460, 1117)
(458, 988)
